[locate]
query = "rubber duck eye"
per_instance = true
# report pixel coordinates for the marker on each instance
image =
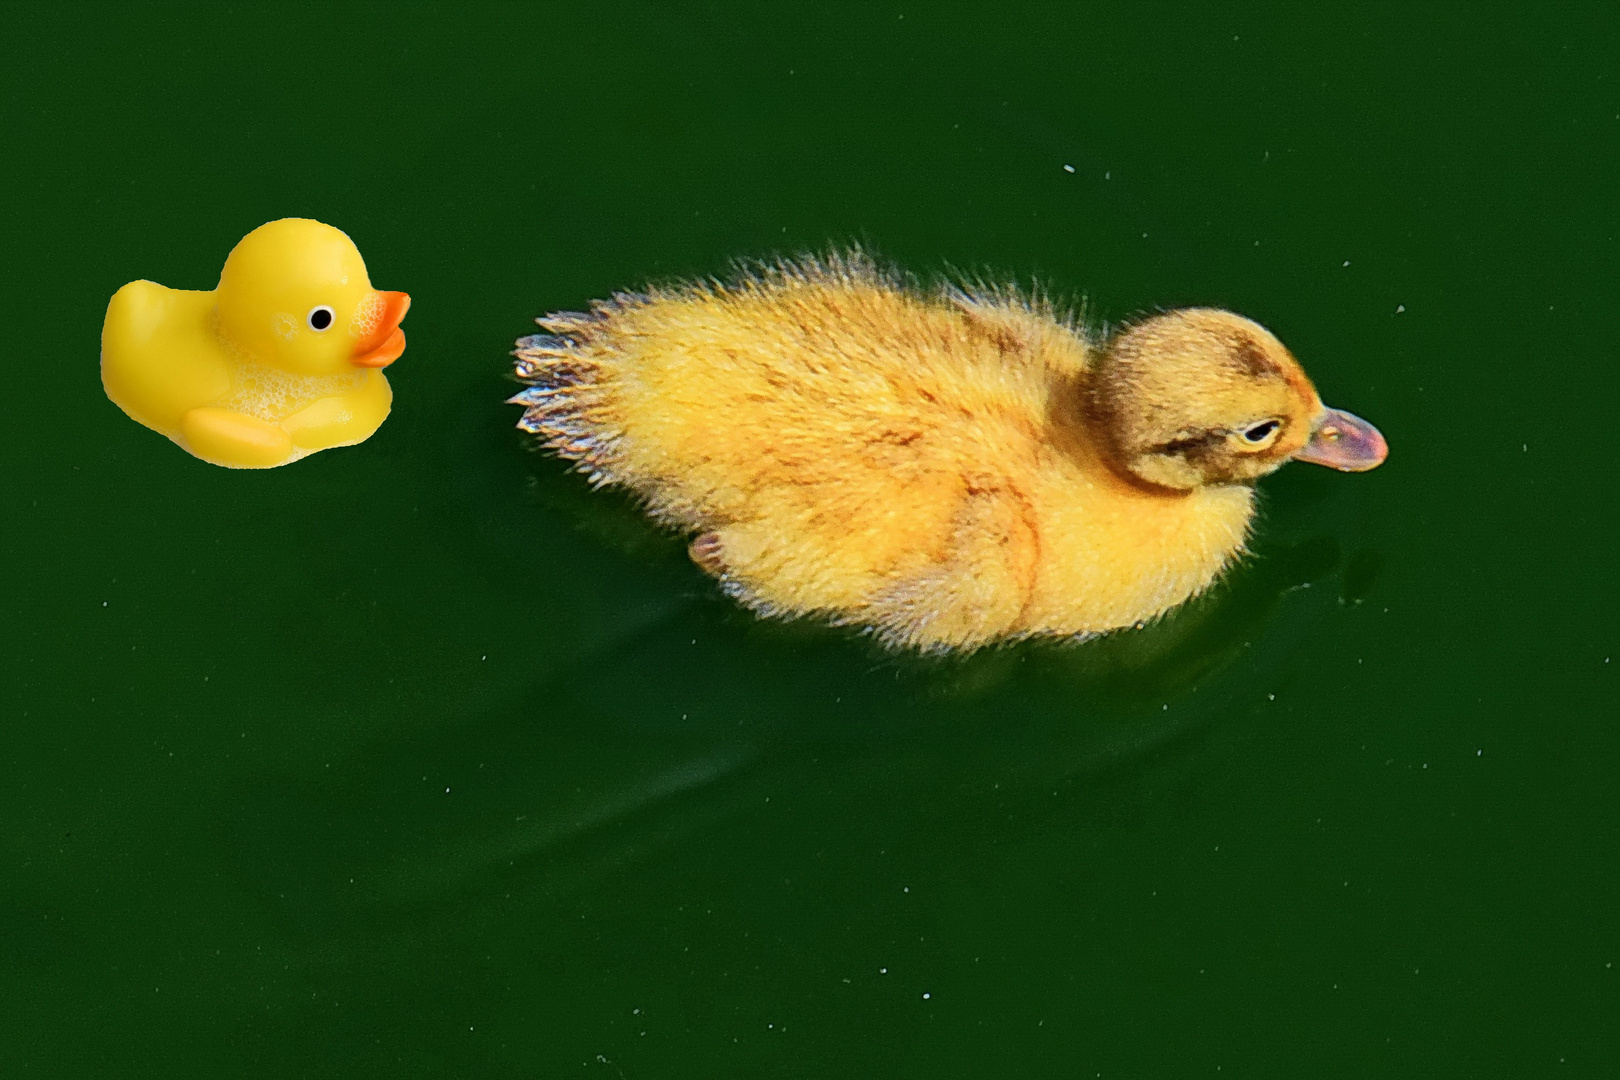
(320, 317)
(1261, 431)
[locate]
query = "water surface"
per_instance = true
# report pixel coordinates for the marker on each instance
(421, 759)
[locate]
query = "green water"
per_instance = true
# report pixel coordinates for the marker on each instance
(421, 759)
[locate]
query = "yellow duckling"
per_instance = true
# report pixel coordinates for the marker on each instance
(283, 359)
(945, 470)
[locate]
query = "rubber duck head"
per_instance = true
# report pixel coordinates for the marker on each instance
(294, 294)
(1200, 396)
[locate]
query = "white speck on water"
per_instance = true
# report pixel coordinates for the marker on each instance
(483, 657)
(926, 996)
(104, 603)
(1144, 236)
(1271, 697)
(883, 971)
(1399, 308)
(905, 888)
(1109, 175)
(1166, 708)
(1347, 262)
(1068, 168)
(1479, 753)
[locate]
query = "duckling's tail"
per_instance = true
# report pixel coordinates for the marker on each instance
(566, 396)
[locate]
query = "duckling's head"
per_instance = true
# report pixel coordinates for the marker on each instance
(294, 294)
(1200, 396)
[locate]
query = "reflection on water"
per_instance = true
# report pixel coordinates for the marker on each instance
(536, 838)
(1360, 574)
(676, 727)
(707, 796)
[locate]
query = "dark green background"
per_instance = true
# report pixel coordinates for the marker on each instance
(421, 759)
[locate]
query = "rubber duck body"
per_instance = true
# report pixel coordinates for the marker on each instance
(947, 469)
(283, 359)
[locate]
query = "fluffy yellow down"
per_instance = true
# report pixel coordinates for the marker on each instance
(914, 464)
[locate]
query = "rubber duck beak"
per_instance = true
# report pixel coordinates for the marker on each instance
(384, 344)
(1345, 442)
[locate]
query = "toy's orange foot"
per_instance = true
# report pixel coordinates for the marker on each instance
(234, 440)
(707, 552)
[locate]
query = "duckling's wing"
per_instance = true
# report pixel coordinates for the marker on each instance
(977, 592)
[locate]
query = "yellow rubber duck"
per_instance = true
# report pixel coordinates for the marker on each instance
(945, 469)
(283, 359)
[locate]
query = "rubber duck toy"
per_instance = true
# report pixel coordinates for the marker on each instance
(944, 469)
(283, 359)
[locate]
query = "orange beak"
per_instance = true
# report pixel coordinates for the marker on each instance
(386, 341)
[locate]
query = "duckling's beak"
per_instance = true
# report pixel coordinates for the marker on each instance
(386, 341)
(1345, 442)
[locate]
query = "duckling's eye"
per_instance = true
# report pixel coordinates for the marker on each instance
(1261, 431)
(320, 317)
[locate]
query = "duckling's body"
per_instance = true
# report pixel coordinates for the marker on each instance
(924, 466)
(240, 376)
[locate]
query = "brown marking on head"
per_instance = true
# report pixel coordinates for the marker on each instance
(1251, 359)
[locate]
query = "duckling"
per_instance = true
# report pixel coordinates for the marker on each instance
(283, 359)
(943, 469)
